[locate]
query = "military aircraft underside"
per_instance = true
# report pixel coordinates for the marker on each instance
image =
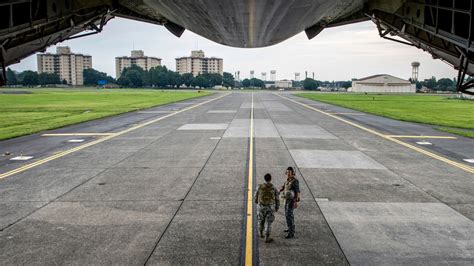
(444, 28)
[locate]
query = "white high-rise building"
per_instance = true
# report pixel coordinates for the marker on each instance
(197, 64)
(137, 58)
(66, 65)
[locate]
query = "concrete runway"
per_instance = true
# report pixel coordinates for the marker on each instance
(169, 186)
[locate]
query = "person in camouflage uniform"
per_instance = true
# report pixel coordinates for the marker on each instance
(268, 203)
(291, 195)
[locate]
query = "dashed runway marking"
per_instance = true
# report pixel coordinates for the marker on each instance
(75, 140)
(204, 126)
(76, 134)
(423, 143)
(21, 158)
(221, 111)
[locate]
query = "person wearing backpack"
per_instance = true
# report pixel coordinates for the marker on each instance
(291, 195)
(268, 203)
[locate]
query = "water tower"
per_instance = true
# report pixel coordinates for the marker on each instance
(297, 76)
(414, 73)
(264, 76)
(273, 75)
(252, 74)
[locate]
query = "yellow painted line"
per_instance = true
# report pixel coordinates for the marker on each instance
(76, 134)
(249, 224)
(425, 152)
(420, 137)
(78, 148)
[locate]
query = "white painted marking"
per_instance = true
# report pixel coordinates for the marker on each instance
(423, 143)
(216, 138)
(204, 126)
(75, 140)
(334, 159)
(222, 111)
(322, 199)
(469, 160)
(21, 158)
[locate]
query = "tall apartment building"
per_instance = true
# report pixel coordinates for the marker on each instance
(137, 58)
(66, 65)
(197, 64)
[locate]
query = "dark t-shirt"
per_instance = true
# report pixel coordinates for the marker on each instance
(295, 186)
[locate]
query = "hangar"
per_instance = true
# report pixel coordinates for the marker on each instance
(383, 83)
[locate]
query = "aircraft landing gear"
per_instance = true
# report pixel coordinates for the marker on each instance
(464, 86)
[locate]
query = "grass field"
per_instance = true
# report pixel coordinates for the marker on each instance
(42, 109)
(451, 115)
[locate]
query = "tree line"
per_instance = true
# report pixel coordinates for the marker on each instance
(133, 77)
(161, 76)
(443, 84)
(32, 78)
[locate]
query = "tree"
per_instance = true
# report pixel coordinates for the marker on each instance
(48, 78)
(30, 78)
(11, 77)
(310, 84)
(228, 80)
(346, 84)
(132, 77)
(246, 83)
(201, 82)
(175, 79)
(445, 84)
(430, 83)
(187, 79)
(253, 83)
(92, 77)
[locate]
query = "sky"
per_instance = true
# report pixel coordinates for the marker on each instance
(341, 53)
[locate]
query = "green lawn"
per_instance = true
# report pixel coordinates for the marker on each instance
(453, 115)
(42, 109)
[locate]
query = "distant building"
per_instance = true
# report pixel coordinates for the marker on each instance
(137, 58)
(197, 64)
(66, 65)
(383, 83)
(283, 84)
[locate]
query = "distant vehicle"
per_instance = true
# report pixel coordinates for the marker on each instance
(442, 28)
(281, 89)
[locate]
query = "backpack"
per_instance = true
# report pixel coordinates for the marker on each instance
(266, 194)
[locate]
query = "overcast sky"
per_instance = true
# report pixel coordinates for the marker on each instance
(342, 53)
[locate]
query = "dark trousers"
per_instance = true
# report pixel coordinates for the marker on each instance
(290, 218)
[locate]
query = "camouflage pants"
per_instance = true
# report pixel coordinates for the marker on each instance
(265, 218)
(290, 217)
